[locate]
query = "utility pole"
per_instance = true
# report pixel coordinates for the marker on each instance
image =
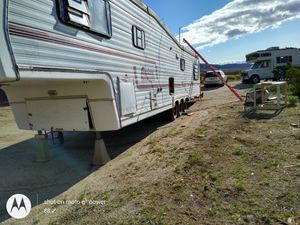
(180, 35)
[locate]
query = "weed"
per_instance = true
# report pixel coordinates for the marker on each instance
(81, 197)
(293, 77)
(239, 187)
(126, 196)
(252, 202)
(271, 163)
(154, 219)
(35, 221)
(292, 101)
(154, 146)
(298, 157)
(179, 168)
(213, 178)
(271, 146)
(152, 143)
(238, 152)
(194, 158)
(211, 212)
(104, 196)
(197, 132)
(177, 185)
(236, 217)
(174, 133)
(288, 197)
(265, 219)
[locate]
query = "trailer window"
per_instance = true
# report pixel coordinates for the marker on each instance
(265, 64)
(138, 37)
(182, 64)
(91, 15)
(256, 65)
(252, 57)
(284, 59)
(266, 54)
(171, 86)
(196, 72)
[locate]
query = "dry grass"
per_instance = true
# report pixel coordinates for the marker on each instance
(219, 170)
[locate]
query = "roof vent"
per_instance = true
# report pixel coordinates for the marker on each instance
(273, 48)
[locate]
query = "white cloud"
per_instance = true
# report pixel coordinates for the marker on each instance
(238, 18)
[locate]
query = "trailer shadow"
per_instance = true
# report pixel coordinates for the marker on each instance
(69, 163)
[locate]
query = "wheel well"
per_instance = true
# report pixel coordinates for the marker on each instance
(255, 75)
(3, 98)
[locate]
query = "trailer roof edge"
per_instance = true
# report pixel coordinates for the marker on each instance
(148, 10)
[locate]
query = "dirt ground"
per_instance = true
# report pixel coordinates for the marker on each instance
(9, 132)
(214, 166)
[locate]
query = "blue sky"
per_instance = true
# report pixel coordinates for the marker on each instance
(225, 31)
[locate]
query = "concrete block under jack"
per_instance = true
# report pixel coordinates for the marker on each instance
(42, 153)
(101, 156)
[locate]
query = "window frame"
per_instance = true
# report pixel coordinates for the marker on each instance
(182, 64)
(196, 66)
(135, 37)
(64, 9)
(266, 54)
(171, 86)
(284, 59)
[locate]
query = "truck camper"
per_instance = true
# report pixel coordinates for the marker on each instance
(265, 62)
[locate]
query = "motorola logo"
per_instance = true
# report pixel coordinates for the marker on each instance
(18, 206)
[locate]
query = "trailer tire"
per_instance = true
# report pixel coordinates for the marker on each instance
(255, 79)
(180, 109)
(185, 105)
(172, 113)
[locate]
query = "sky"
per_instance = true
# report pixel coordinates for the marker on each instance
(224, 31)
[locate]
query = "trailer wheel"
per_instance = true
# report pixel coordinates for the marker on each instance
(172, 113)
(180, 109)
(184, 106)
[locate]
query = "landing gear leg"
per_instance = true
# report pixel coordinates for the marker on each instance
(101, 156)
(42, 154)
(60, 137)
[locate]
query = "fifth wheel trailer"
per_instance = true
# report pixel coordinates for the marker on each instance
(266, 61)
(91, 65)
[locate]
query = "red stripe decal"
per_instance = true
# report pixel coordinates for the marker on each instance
(35, 34)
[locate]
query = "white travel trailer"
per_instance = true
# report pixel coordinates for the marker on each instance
(266, 61)
(91, 65)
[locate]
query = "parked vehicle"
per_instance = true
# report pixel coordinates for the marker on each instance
(212, 79)
(91, 65)
(267, 61)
